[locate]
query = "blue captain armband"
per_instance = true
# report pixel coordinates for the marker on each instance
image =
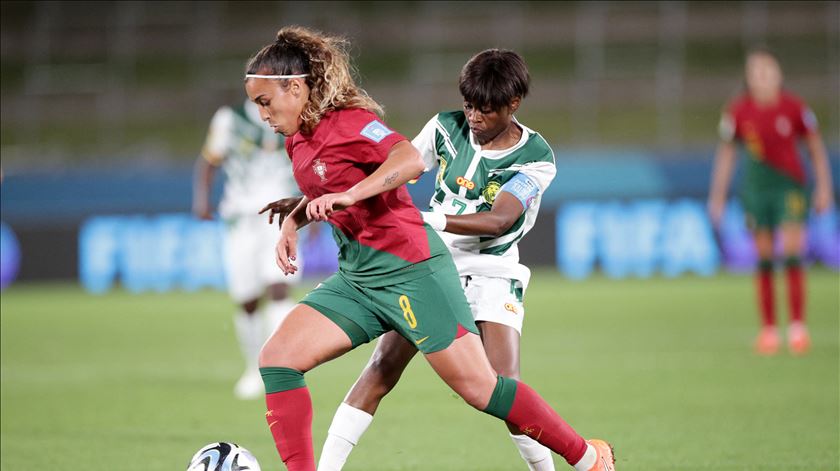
(523, 188)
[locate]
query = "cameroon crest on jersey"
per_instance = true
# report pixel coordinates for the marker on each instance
(490, 191)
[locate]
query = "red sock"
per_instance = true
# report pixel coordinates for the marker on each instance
(289, 418)
(537, 419)
(764, 285)
(796, 291)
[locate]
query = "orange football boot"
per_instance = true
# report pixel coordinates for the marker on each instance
(767, 342)
(798, 339)
(606, 457)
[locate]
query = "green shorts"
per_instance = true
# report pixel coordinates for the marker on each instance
(770, 208)
(426, 310)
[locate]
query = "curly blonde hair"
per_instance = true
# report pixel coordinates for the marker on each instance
(299, 50)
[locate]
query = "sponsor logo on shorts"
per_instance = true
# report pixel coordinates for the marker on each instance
(511, 307)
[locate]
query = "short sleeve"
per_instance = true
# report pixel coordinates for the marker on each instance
(807, 121)
(542, 173)
(219, 136)
(425, 144)
(371, 138)
(726, 126)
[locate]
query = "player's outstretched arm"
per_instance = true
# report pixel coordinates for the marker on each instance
(823, 189)
(202, 183)
(724, 165)
(506, 210)
(403, 164)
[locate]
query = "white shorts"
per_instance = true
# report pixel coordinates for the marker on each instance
(249, 258)
(495, 300)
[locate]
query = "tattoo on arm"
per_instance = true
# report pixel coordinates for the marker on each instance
(390, 178)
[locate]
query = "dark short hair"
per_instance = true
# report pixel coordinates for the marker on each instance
(493, 78)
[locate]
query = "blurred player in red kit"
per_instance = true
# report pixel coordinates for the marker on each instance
(768, 121)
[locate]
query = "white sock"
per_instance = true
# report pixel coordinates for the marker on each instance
(250, 335)
(348, 426)
(588, 461)
(536, 455)
(275, 312)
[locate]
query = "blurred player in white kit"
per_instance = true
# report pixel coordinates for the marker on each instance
(258, 169)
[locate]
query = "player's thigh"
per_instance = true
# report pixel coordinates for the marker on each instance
(501, 344)
(464, 367)
(392, 355)
(763, 238)
(498, 310)
(793, 238)
(240, 249)
(304, 340)
(793, 213)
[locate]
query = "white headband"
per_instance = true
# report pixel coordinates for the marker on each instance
(276, 77)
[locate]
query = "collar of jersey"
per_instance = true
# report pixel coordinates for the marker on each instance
(498, 154)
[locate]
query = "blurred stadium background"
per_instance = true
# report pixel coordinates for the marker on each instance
(105, 106)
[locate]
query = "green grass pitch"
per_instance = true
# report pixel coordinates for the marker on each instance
(662, 368)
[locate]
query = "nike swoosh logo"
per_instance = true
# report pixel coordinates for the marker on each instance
(272, 424)
(418, 342)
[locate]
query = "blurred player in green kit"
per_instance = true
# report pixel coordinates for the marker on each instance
(768, 122)
(257, 169)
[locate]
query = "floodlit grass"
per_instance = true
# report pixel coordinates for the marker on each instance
(662, 368)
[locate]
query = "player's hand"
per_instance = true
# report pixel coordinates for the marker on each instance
(202, 211)
(281, 208)
(715, 207)
(321, 208)
(285, 253)
(822, 199)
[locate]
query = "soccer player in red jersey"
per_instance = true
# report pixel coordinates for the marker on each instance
(768, 121)
(394, 271)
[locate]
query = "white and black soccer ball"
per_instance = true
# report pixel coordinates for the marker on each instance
(223, 456)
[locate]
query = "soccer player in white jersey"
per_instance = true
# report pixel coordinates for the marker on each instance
(254, 161)
(492, 174)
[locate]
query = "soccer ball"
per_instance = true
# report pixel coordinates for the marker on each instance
(223, 457)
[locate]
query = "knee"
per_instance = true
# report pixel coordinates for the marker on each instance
(276, 354)
(508, 371)
(476, 396)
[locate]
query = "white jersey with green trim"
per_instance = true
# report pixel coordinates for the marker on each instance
(253, 158)
(468, 180)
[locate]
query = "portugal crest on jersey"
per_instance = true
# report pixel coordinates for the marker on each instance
(490, 191)
(320, 169)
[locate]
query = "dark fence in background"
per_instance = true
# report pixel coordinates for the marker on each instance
(94, 81)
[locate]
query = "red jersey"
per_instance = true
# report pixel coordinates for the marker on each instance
(377, 236)
(770, 133)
